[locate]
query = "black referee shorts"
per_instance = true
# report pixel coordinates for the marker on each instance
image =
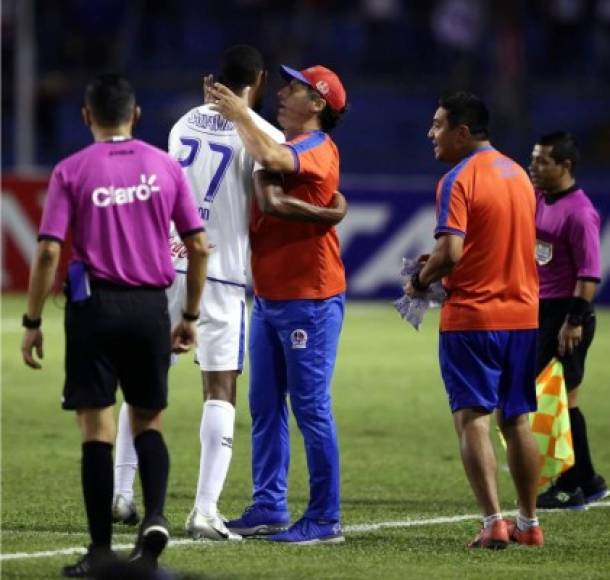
(551, 316)
(118, 335)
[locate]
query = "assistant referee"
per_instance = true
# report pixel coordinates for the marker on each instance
(118, 197)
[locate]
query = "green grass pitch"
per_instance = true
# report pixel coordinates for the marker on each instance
(399, 462)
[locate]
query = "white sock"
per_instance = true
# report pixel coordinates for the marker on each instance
(125, 460)
(488, 520)
(216, 434)
(524, 523)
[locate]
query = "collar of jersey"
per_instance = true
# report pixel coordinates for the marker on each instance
(117, 139)
(550, 199)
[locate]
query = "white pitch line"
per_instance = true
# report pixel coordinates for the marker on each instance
(352, 529)
(81, 550)
(122, 535)
(359, 528)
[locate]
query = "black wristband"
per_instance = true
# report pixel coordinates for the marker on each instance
(578, 310)
(31, 323)
(416, 283)
(190, 317)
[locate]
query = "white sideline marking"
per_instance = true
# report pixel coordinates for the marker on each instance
(359, 528)
(353, 529)
(80, 550)
(122, 535)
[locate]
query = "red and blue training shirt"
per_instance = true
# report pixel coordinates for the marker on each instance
(300, 260)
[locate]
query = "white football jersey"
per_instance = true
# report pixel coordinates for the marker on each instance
(219, 171)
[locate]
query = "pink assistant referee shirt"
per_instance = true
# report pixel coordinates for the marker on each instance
(568, 242)
(118, 198)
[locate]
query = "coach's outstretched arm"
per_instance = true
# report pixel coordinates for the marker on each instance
(270, 154)
(185, 333)
(42, 275)
(271, 200)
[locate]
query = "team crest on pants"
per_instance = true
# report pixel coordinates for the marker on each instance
(298, 338)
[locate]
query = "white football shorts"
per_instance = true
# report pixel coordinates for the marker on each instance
(221, 336)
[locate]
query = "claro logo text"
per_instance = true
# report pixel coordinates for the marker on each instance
(107, 196)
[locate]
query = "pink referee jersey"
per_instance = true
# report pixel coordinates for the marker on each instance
(118, 198)
(568, 242)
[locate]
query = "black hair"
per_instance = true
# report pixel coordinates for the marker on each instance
(564, 147)
(467, 109)
(240, 67)
(329, 118)
(111, 100)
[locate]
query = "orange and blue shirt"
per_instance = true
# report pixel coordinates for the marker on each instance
(488, 200)
(300, 260)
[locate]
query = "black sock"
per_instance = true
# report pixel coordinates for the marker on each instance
(98, 486)
(153, 461)
(581, 446)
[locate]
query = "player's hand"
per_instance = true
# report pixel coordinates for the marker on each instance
(339, 205)
(569, 338)
(422, 260)
(184, 336)
(208, 82)
(411, 292)
(227, 103)
(32, 339)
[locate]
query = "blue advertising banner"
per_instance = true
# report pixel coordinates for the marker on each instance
(386, 222)
(389, 217)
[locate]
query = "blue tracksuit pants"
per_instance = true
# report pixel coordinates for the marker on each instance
(293, 348)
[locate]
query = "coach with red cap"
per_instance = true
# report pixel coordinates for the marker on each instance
(299, 285)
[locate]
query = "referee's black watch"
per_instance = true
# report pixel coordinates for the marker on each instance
(578, 311)
(190, 317)
(30, 323)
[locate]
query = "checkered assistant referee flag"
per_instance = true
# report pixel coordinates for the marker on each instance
(551, 423)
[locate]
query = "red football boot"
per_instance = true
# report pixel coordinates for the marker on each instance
(494, 537)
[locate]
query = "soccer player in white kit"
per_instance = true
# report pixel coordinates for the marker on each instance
(220, 173)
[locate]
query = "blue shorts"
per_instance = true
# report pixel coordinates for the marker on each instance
(490, 370)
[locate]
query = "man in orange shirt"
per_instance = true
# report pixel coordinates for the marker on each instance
(299, 285)
(484, 252)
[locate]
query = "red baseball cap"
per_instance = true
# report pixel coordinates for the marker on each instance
(322, 80)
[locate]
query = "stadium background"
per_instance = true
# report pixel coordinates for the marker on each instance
(540, 64)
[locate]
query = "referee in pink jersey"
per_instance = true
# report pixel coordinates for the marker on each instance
(569, 265)
(117, 197)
